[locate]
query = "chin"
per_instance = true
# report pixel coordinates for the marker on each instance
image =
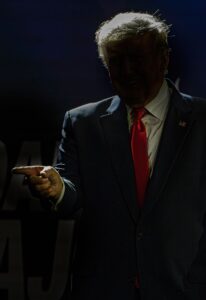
(132, 97)
(134, 100)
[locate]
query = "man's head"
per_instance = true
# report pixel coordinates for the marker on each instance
(134, 49)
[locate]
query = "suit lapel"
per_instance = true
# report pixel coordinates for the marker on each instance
(116, 132)
(177, 126)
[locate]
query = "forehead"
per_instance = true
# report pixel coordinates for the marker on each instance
(139, 43)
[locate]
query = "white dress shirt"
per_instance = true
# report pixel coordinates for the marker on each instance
(156, 111)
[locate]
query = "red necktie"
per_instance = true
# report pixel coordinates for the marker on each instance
(139, 153)
(140, 158)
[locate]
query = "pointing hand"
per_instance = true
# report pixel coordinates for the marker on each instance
(44, 181)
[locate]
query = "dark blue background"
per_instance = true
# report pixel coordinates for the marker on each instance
(49, 60)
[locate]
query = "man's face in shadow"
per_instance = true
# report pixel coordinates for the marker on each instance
(136, 67)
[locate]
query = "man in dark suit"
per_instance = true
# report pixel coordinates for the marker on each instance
(141, 232)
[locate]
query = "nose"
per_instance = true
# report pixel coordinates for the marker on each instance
(128, 66)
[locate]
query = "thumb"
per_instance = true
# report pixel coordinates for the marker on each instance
(50, 173)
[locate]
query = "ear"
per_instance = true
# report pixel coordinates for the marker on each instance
(165, 57)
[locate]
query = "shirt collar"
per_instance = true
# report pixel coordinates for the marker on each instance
(157, 107)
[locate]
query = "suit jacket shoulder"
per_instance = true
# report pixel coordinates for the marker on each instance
(198, 104)
(92, 108)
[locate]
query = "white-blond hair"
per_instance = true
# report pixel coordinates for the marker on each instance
(125, 25)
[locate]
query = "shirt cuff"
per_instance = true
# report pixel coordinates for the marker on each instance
(56, 203)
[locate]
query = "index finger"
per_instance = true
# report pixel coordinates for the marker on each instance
(27, 170)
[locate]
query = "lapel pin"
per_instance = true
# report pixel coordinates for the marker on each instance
(182, 123)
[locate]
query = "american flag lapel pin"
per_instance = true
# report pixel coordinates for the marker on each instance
(182, 123)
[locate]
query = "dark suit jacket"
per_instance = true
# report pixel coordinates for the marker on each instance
(165, 243)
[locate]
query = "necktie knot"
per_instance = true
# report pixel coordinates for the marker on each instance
(138, 113)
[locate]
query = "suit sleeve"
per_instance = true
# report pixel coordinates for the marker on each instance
(68, 167)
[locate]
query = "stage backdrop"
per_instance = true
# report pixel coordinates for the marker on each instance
(49, 64)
